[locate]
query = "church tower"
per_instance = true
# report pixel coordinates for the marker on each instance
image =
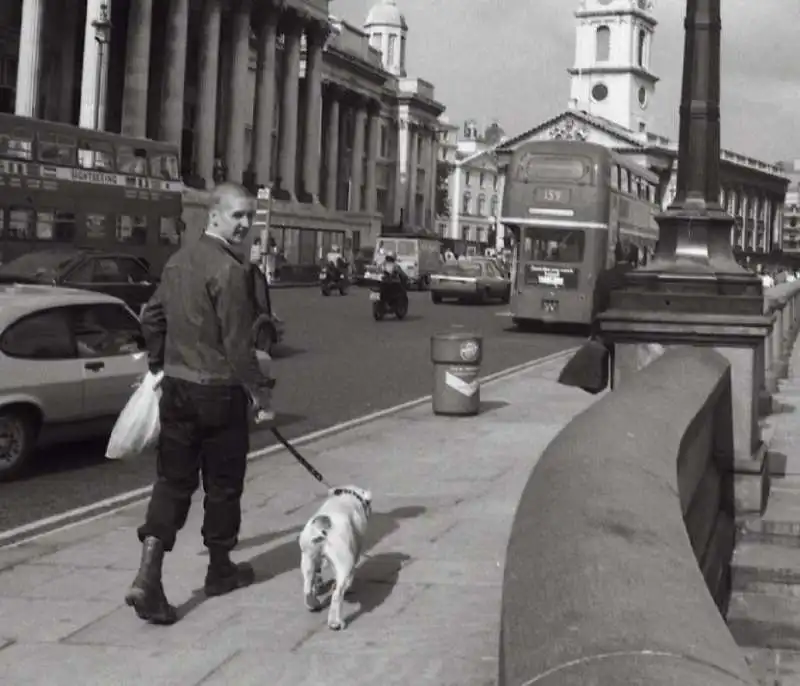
(388, 31)
(611, 77)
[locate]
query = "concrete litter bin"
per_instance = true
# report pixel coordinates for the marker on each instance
(456, 358)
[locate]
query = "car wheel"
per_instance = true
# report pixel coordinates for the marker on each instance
(436, 298)
(17, 442)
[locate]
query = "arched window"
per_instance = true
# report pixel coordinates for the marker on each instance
(641, 46)
(465, 202)
(375, 41)
(481, 205)
(603, 45)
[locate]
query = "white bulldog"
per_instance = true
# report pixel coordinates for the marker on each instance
(334, 535)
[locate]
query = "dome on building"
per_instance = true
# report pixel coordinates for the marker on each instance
(386, 13)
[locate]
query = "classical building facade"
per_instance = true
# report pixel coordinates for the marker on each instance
(474, 183)
(266, 92)
(611, 93)
(791, 213)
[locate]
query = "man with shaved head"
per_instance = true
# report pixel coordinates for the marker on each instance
(199, 331)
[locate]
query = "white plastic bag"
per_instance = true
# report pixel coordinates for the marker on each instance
(138, 424)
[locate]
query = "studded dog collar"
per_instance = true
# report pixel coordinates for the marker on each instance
(349, 491)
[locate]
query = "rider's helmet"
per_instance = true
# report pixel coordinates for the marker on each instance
(335, 248)
(389, 256)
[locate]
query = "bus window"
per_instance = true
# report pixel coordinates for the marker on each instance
(387, 246)
(131, 229)
(555, 245)
(406, 248)
(17, 145)
(164, 166)
(132, 160)
(59, 150)
(52, 225)
(21, 224)
(96, 226)
(95, 155)
(169, 232)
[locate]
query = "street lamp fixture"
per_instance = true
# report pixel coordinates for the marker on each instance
(694, 269)
(102, 35)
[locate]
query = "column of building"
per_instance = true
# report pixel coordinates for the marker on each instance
(359, 105)
(266, 88)
(137, 69)
(316, 35)
(286, 178)
(333, 96)
(373, 150)
(413, 167)
(177, 36)
(29, 62)
(240, 111)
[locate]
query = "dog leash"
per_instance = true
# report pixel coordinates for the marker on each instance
(297, 456)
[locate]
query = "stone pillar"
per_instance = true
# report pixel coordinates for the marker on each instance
(426, 190)
(206, 112)
(30, 51)
(373, 148)
(174, 72)
(261, 154)
(412, 176)
(237, 95)
(332, 151)
(94, 71)
(357, 157)
(315, 41)
(287, 174)
(137, 69)
(434, 179)
(66, 85)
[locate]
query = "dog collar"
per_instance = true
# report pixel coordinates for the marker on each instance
(349, 491)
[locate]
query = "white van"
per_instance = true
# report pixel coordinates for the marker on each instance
(418, 257)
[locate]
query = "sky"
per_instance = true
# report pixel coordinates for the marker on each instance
(507, 60)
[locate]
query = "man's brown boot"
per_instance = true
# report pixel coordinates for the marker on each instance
(146, 594)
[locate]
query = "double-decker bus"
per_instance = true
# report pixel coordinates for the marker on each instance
(580, 216)
(61, 185)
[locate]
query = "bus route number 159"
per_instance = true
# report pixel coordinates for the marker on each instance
(552, 195)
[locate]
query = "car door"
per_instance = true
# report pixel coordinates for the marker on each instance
(110, 347)
(497, 282)
(39, 364)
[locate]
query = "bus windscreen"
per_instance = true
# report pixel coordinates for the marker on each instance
(544, 244)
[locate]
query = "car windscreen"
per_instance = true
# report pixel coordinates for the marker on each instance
(463, 269)
(42, 264)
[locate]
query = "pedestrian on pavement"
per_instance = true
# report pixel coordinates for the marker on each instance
(198, 327)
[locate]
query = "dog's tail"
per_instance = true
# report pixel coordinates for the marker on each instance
(320, 526)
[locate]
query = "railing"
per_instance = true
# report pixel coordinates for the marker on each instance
(618, 564)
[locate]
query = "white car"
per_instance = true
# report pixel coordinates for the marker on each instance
(69, 360)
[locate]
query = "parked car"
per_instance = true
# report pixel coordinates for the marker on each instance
(477, 279)
(124, 276)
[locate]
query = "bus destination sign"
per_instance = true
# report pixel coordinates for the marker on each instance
(552, 277)
(88, 176)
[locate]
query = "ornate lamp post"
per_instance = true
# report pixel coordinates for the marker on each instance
(694, 269)
(102, 35)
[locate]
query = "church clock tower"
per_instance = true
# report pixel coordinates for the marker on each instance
(611, 77)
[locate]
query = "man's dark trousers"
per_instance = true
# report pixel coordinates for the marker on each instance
(204, 430)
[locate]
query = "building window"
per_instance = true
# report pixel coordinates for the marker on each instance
(466, 178)
(391, 50)
(481, 205)
(641, 47)
(603, 44)
(402, 52)
(495, 182)
(465, 203)
(375, 41)
(494, 205)
(482, 180)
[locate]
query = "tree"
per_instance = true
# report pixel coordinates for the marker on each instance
(442, 200)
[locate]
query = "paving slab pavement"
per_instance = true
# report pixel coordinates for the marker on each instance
(425, 607)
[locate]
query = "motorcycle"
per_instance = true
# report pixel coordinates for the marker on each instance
(389, 297)
(331, 279)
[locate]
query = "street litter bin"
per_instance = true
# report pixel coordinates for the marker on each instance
(456, 358)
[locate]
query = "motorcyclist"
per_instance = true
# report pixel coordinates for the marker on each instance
(336, 261)
(393, 270)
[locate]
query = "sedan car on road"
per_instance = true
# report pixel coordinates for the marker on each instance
(474, 279)
(123, 276)
(68, 362)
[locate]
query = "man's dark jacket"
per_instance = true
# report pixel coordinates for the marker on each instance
(198, 324)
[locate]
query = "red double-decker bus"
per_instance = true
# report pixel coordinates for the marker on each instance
(577, 211)
(63, 185)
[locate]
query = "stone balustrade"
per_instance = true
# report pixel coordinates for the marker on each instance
(618, 564)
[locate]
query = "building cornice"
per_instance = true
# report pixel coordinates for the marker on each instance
(641, 72)
(618, 14)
